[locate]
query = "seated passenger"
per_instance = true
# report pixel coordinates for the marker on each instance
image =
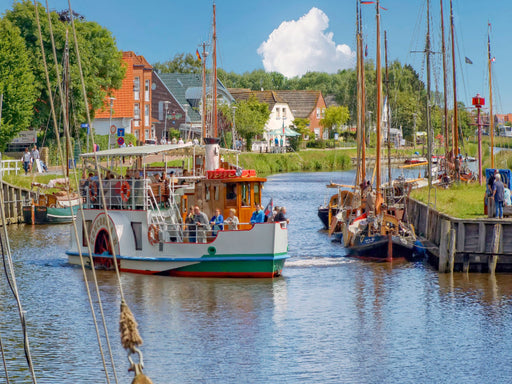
(258, 216)
(232, 221)
(217, 222)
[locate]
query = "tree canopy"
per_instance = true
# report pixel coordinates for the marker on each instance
(181, 63)
(101, 60)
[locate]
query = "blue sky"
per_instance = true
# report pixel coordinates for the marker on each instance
(316, 35)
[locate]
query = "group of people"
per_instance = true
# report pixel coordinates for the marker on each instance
(278, 215)
(179, 141)
(198, 227)
(499, 192)
(30, 159)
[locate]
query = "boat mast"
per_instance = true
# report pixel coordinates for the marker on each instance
(359, 171)
(388, 117)
(214, 106)
(363, 99)
(455, 128)
(445, 85)
(379, 111)
(491, 118)
(203, 115)
(66, 100)
(429, 128)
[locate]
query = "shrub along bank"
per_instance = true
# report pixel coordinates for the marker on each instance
(304, 161)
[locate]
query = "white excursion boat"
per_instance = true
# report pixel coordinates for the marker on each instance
(146, 218)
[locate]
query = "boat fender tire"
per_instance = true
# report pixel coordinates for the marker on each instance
(153, 234)
(212, 251)
(125, 191)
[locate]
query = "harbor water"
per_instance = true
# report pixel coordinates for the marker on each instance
(328, 319)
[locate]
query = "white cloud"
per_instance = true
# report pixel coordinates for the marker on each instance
(299, 46)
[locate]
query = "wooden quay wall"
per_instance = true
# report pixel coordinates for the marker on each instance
(468, 245)
(14, 199)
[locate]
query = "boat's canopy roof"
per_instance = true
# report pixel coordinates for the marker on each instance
(146, 150)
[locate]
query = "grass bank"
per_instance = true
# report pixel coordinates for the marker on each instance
(304, 161)
(464, 201)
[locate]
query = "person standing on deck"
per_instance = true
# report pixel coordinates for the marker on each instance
(498, 192)
(217, 222)
(201, 221)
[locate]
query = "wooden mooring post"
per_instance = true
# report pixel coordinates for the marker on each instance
(495, 246)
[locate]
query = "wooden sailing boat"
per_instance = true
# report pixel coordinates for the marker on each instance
(378, 230)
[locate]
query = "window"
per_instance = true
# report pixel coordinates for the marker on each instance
(207, 193)
(136, 110)
(86, 230)
(137, 235)
(146, 115)
(231, 192)
(216, 192)
(136, 132)
(146, 90)
(246, 194)
(318, 113)
(136, 88)
(257, 199)
(284, 113)
(146, 134)
(278, 114)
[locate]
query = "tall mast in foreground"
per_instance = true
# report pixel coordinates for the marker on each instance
(491, 118)
(378, 198)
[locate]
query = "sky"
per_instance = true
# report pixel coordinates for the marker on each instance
(296, 36)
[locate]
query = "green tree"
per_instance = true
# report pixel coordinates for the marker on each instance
(181, 63)
(16, 83)
(250, 118)
(101, 60)
(335, 117)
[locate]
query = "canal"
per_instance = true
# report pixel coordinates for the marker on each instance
(328, 319)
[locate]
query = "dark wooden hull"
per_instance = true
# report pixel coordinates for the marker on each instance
(382, 248)
(323, 214)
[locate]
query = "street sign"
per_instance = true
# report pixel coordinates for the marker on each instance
(120, 141)
(113, 129)
(84, 125)
(120, 132)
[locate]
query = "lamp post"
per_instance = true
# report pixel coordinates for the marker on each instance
(233, 128)
(164, 133)
(110, 122)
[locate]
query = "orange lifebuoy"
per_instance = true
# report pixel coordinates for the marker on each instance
(125, 191)
(93, 190)
(153, 234)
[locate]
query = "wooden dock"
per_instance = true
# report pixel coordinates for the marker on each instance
(14, 199)
(467, 245)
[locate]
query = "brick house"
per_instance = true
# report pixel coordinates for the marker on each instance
(306, 104)
(130, 106)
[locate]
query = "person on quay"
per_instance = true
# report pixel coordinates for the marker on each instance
(26, 160)
(201, 221)
(281, 216)
(34, 157)
(507, 202)
(498, 192)
(217, 222)
(258, 216)
(232, 221)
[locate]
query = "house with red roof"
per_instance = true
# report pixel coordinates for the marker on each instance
(130, 106)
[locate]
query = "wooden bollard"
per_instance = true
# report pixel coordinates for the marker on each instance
(444, 245)
(493, 259)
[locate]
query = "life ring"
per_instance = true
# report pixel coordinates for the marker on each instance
(153, 234)
(93, 190)
(125, 191)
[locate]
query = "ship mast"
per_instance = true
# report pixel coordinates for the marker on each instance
(455, 141)
(378, 198)
(388, 115)
(214, 105)
(445, 85)
(491, 118)
(359, 139)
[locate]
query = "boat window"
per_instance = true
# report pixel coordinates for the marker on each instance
(86, 229)
(230, 191)
(207, 193)
(137, 235)
(246, 194)
(216, 192)
(257, 199)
